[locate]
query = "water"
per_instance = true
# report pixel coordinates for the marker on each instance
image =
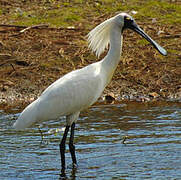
(152, 148)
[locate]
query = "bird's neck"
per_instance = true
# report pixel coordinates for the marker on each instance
(112, 58)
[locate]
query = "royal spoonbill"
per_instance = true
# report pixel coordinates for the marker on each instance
(79, 89)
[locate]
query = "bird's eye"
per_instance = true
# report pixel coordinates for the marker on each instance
(127, 18)
(127, 21)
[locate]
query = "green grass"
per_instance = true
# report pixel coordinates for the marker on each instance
(164, 11)
(65, 14)
(56, 17)
(142, 42)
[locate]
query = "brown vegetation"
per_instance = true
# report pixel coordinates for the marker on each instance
(32, 57)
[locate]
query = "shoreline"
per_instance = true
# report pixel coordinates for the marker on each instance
(14, 101)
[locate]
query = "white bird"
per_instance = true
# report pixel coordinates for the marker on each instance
(81, 88)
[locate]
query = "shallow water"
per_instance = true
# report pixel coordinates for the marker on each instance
(152, 148)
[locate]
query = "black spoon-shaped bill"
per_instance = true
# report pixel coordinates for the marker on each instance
(137, 29)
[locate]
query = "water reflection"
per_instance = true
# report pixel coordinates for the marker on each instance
(72, 176)
(151, 150)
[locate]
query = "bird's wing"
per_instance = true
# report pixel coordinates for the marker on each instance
(71, 93)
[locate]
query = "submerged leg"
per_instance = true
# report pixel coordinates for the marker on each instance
(71, 145)
(62, 148)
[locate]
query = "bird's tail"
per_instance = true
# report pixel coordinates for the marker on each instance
(27, 117)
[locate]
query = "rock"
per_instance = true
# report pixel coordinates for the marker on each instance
(154, 95)
(109, 98)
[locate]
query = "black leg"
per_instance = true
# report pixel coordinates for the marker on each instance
(71, 145)
(62, 148)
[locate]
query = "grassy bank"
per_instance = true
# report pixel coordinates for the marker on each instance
(32, 59)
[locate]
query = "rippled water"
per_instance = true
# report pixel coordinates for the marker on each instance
(152, 148)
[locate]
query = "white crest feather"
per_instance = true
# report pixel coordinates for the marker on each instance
(99, 37)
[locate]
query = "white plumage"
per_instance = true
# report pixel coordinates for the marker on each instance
(79, 89)
(99, 37)
(66, 96)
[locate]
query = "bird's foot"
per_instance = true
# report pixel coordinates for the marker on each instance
(62, 175)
